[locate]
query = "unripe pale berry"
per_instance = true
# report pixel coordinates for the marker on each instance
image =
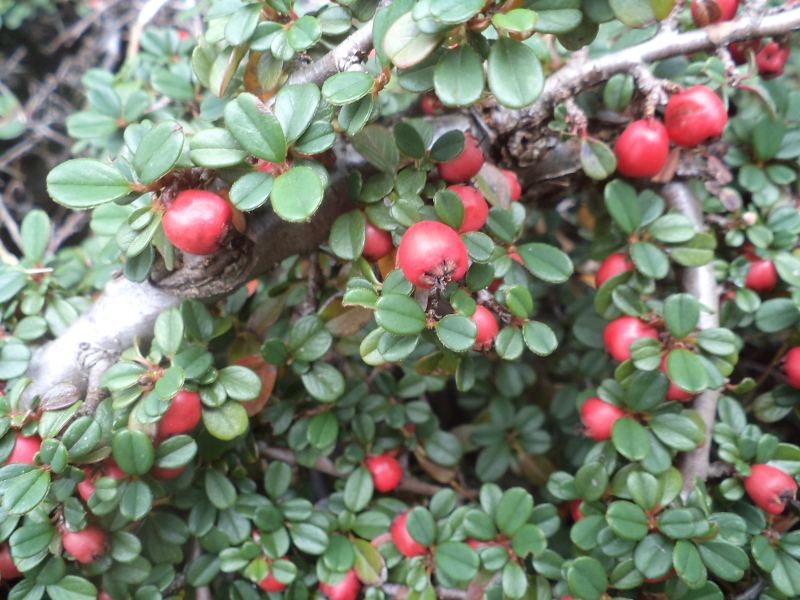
(197, 222)
(487, 328)
(270, 584)
(513, 182)
(674, 392)
(476, 210)
(25, 448)
(615, 264)
(378, 243)
(762, 276)
(466, 165)
(694, 116)
(598, 418)
(346, 589)
(402, 539)
(792, 367)
(386, 472)
(620, 333)
(8, 570)
(770, 488)
(86, 545)
(431, 253)
(642, 149)
(183, 415)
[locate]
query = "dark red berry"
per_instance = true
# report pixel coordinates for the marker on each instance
(431, 253)
(8, 570)
(476, 210)
(386, 472)
(613, 265)
(487, 328)
(466, 165)
(183, 415)
(598, 418)
(694, 116)
(346, 589)
(25, 448)
(620, 333)
(378, 243)
(197, 222)
(270, 584)
(642, 149)
(403, 540)
(771, 58)
(770, 488)
(792, 367)
(762, 276)
(513, 182)
(86, 545)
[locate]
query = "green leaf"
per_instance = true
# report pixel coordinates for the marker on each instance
(456, 332)
(546, 262)
(158, 151)
(72, 587)
(348, 235)
(681, 312)
(227, 422)
(558, 21)
(400, 315)
(513, 510)
(454, 13)
(627, 520)
(35, 232)
(378, 147)
(458, 78)
(516, 77)
(358, 490)
(137, 500)
(408, 140)
(623, 205)
(630, 439)
(347, 87)
(85, 183)
(672, 228)
(216, 148)
(539, 338)
(591, 481)
(450, 208)
(597, 159)
(295, 106)
(304, 33)
(650, 260)
(257, 130)
(726, 561)
(686, 371)
(251, 191)
(587, 578)
(297, 194)
(448, 146)
(405, 45)
(457, 560)
(133, 452)
(324, 382)
(169, 331)
(421, 526)
(26, 492)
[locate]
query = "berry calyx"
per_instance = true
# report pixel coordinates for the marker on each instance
(762, 276)
(197, 222)
(615, 264)
(598, 418)
(182, 416)
(476, 210)
(620, 333)
(25, 448)
(386, 472)
(109, 468)
(704, 12)
(270, 584)
(487, 328)
(770, 488)
(402, 539)
(87, 544)
(791, 367)
(346, 589)
(8, 570)
(513, 182)
(377, 244)
(642, 149)
(163, 474)
(466, 165)
(674, 392)
(694, 116)
(431, 253)
(771, 58)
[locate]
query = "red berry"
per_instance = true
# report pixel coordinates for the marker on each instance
(516, 257)
(660, 579)
(346, 589)
(24, 449)
(197, 222)
(475, 544)
(378, 243)
(386, 472)
(403, 540)
(466, 165)
(575, 509)
(109, 469)
(487, 328)
(738, 50)
(642, 149)
(598, 418)
(270, 584)
(182, 416)
(771, 58)
(762, 276)
(265, 166)
(728, 9)
(165, 474)
(613, 265)
(792, 367)
(620, 333)
(431, 253)
(86, 545)
(182, 35)
(513, 182)
(8, 570)
(770, 488)
(674, 392)
(694, 116)
(476, 210)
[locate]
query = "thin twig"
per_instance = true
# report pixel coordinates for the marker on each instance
(10, 223)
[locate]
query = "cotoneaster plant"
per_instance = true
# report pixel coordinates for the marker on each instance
(694, 116)
(431, 254)
(642, 149)
(466, 165)
(620, 333)
(197, 222)
(407, 546)
(386, 472)
(770, 488)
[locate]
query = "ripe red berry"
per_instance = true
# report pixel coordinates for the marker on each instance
(265, 166)
(694, 116)
(739, 50)
(516, 257)
(700, 14)
(377, 244)
(642, 149)
(466, 165)
(476, 210)
(792, 367)
(109, 468)
(24, 449)
(620, 333)
(613, 265)
(575, 509)
(598, 418)
(513, 182)
(431, 253)
(165, 474)
(762, 276)
(270, 584)
(104, 596)
(8, 570)
(182, 416)
(197, 222)
(487, 328)
(771, 58)
(403, 540)
(770, 488)
(346, 589)
(87, 544)
(674, 392)
(386, 472)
